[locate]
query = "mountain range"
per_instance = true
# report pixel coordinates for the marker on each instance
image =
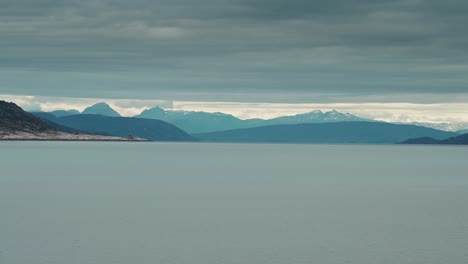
(204, 122)
(169, 125)
(96, 109)
(201, 122)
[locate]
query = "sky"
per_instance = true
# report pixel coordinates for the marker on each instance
(391, 59)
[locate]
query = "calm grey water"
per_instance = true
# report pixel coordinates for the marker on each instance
(232, 203)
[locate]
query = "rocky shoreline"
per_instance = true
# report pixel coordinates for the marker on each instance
(61, 136)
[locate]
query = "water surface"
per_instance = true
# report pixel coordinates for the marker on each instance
(198, 203)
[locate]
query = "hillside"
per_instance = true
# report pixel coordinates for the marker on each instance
(50, 120)
(14, 119)
(16, 124)
(150, 129)
(339, 132)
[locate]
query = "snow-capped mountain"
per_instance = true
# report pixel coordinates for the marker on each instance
(316, 116)
(201, 122)
(443, 126)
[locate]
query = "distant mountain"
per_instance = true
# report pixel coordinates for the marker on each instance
(202, 122)
(153, 113)
(457, 140)
(101, 109)
(60, 113)
(338, 132)
(193, 122)
(314, 117)
(463, 131)
(150, 129)
(442, 126)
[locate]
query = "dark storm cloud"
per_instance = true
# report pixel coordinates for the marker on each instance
(233, 49)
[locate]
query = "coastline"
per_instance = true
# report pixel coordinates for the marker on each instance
(76, 140)
(62, 136)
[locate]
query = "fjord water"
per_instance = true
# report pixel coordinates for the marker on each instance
(232, 203)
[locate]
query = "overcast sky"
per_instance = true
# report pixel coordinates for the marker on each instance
(267, 51)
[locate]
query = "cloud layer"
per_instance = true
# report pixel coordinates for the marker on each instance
(236, 50)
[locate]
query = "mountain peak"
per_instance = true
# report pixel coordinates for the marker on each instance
(152, 113)
(101, 104)
(335, 114)
(333, 111)
(316, 116)
(156, 108)
(101, 109)
(315, 112)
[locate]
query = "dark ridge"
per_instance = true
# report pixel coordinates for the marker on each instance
(458, 140)
(421, 140)
(13, 118)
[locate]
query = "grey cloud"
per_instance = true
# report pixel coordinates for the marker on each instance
(227, 49)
